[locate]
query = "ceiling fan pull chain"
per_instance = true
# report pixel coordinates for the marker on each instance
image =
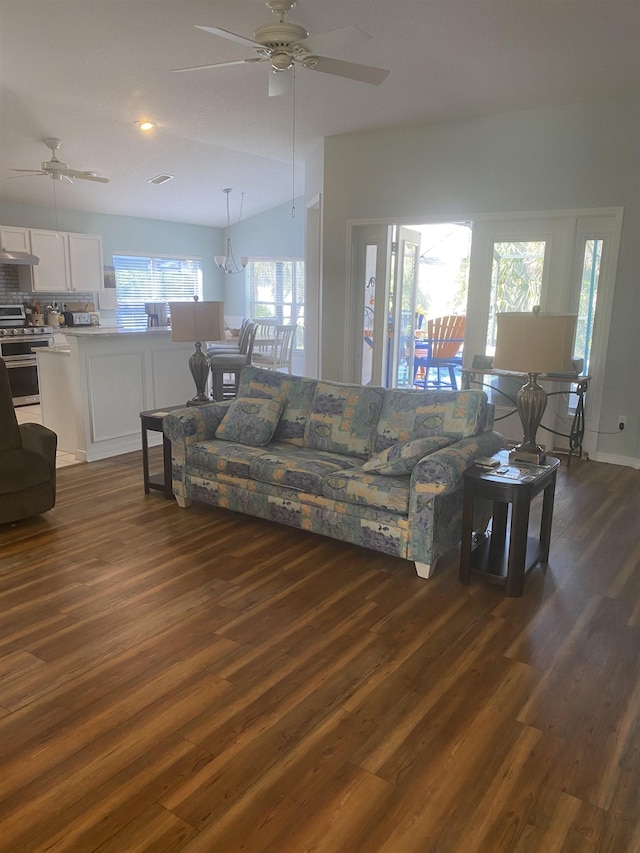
(293, 145)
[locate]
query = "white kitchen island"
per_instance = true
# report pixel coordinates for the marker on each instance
(93, 390)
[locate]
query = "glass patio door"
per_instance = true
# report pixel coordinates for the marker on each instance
(402, 309)
(385, 262)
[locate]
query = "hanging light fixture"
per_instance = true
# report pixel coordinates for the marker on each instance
(227, 262)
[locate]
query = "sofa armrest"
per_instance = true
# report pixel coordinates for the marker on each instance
(435, 498)
(442, 471)
(188, 426)
(41, 440)
(194, 423)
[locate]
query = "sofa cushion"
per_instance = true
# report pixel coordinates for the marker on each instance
(297, 468)
(223, 457)
(408, 414)
(401, 458)
(372, 490)
(298, 392)
(343, 418)
(250, 420)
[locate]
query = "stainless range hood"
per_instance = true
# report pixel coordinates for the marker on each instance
(16, 257)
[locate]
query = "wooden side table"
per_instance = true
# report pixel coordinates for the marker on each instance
(152, 420)
(508, 552)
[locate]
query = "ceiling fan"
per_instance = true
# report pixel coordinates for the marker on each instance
(284, 44)
(56, 169)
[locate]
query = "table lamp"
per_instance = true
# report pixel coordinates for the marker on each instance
(533, 343)
(197, 321)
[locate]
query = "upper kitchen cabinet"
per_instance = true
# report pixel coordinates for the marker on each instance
(52, 273)
(86, 268)
(15, 239)
(68, 261)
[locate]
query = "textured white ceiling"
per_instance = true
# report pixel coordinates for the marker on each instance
(87, 70)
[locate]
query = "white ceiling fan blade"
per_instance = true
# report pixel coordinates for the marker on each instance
(84, 176)
(335, 41)
(280, 82)
(221, 64)
(28, 172)
(225, 34)
(350, 70)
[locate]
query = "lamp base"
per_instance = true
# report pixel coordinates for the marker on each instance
(535, 457)
(199, 367)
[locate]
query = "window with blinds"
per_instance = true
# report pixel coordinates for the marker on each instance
(275, 288)
(143, 278)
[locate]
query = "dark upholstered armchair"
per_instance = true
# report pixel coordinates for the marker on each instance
(27, 462)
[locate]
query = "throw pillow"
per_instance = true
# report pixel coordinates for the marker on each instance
(401, 458)
(343, 418)
(250, 420)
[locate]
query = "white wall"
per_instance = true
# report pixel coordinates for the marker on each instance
(582, 156)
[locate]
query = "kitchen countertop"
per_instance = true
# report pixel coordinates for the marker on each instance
(110, 331)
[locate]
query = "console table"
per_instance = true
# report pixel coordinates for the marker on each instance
(577, 385)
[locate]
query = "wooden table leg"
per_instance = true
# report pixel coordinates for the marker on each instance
(145, 460)
(517, 545)
(547, 517)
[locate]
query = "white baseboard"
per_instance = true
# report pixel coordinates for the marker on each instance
(613, 459)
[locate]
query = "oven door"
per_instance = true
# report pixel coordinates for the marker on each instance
(22, 371)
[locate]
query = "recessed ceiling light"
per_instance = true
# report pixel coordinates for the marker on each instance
(160, 179)
(146, 125)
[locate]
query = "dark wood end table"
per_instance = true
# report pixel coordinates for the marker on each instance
(152, 420)
(506, 554)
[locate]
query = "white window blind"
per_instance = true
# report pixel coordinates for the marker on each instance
(144, 278)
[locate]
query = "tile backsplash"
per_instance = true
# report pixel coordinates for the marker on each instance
(10, 294)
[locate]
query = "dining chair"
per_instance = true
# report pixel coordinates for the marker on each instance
(441, 348)
(215, 347)
(280, 354)
(231, 363)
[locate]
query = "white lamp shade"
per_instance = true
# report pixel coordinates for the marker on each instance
(534, 343)
(197, 321)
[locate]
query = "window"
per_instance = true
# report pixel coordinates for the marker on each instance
(141, 279)
(516, 281)
(275, 288)
(587, 303)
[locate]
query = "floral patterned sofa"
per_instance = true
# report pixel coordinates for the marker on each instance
(375, 467)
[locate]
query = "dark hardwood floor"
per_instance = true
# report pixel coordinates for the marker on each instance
(195, 680)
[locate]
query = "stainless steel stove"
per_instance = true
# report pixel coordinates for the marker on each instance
(18, 345)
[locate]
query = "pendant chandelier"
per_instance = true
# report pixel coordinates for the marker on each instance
(227, 262)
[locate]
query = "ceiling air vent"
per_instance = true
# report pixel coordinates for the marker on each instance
(160, 179)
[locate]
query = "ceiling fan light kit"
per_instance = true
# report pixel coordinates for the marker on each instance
(227, 262)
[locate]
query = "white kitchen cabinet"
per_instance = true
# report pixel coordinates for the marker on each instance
(51, 275)
(15, 239)
(86, 268)
(68, 261)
